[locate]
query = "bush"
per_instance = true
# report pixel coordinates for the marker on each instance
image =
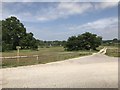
(85, 41)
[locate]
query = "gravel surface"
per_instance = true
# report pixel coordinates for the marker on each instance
(94, 71)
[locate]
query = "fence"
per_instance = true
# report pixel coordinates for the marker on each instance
(19, 60)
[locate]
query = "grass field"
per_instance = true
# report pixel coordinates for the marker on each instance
(51, 54)
(46, 55)
(112, 51)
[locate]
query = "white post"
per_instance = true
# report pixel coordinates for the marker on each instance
(37, 57)
(18, 53)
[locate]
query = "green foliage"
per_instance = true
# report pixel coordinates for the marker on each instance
(114, 42)
(51, 43)
(14, 34)
(85, 41)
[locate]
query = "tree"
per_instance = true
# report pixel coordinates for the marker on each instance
(14, 34)
(72, 43)
(85, 41)
(115, 40)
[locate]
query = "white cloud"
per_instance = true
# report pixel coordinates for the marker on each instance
(107, 27)
(108, 0)
(101, 24)
(0, 11)
(53, 12)
(73, 8)
(60, 0)
(103, 5)
(63, 10)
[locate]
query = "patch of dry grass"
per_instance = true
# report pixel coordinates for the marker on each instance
(113, 51)
(46, 55)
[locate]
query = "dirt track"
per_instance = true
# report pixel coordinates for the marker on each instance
(94, 71)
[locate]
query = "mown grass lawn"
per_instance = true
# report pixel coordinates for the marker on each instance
(46, 55)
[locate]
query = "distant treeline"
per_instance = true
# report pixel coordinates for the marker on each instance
(48, 44)
(114, 42)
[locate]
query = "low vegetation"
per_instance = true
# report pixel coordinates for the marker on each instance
(46, 55)
(113, 51)
(14, 34)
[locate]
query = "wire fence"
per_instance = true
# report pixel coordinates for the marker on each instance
(15, 61)
(19, 60)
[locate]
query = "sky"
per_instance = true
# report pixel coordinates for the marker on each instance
(60, 20)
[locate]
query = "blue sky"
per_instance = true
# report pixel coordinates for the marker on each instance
(60, 20)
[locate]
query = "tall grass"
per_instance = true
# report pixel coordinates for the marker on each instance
(113, 51)
(46, 55)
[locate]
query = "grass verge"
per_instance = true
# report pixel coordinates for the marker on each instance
(112, 51)
(46, 55)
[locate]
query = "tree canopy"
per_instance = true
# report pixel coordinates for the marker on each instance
(85, 41)
(14, 34)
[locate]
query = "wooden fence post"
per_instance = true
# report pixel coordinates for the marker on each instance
(37, 58)
(18, 53)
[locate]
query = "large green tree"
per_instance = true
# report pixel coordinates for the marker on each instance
(14, 34)
(85, 41)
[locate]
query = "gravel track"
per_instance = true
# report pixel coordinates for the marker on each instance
(94, 71)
